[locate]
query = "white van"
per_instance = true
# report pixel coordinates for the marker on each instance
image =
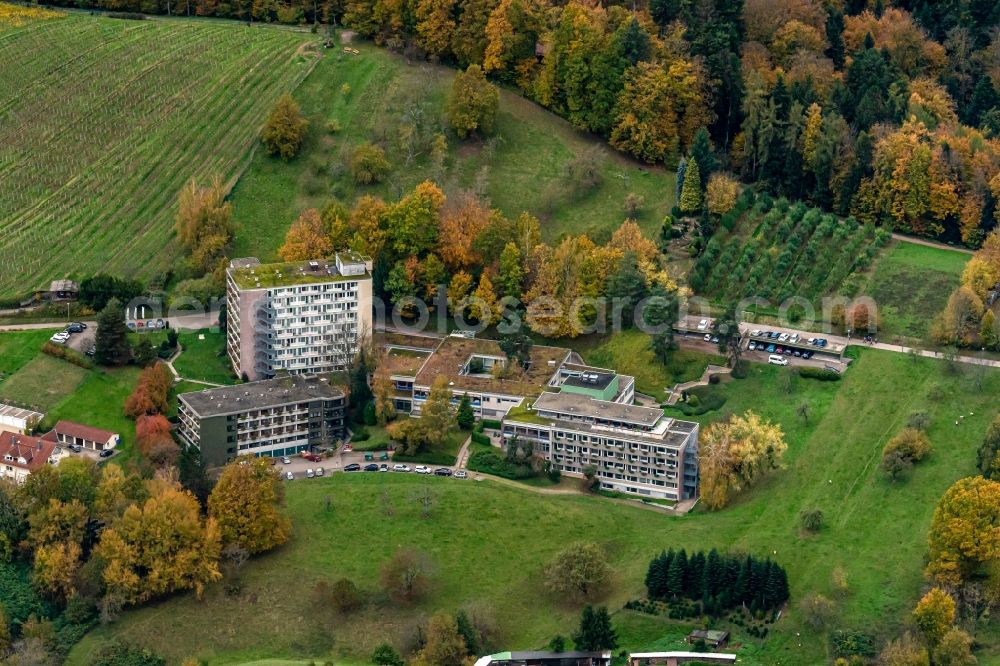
(776, 359)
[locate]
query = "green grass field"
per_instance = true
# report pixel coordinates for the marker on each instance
(43, 382)
(103, 122)
(911, 284)
(521, 167)
(204, 359)
(17, 348)
(490, 541)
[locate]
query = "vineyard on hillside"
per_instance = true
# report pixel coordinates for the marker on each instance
(778, 250)
(103, 120)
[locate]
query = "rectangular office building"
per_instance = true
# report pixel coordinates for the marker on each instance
(274, 417)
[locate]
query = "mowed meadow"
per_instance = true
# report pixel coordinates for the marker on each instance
(103, 120)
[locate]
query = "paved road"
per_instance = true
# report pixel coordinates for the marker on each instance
(840, 342)
(183, 322)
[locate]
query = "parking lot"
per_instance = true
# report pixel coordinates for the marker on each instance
(354, 462)
(77, 336)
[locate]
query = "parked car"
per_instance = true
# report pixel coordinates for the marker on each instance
(310, 474)
(422, 469)
(752, 346)
(442, 471)
(788, 351)
(460, 474)
(779, 350)
(807, 354)
(311, 457)
(703, 324)
(289, 476)
(107, 453)
(797, 353)
(285, 460)
(75, 448)
(355, 467)
(320, 471)
(708, 337)
(400, 468)
(783, 337)
(61, 336)
(715, 340)
(755, 333)
(383, 468)
(795, 338)
(372, 467)
(348, 448)
(74, 328)
(774, 359)
(770, 349)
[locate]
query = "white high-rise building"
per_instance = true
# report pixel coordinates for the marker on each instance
(298, 317)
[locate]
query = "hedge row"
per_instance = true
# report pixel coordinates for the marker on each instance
(67, 354)
(822, 374)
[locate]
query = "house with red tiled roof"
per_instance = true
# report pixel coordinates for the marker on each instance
(71, 435)
(20, 455)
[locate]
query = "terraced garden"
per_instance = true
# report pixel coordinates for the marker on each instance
(779, 250)
(103, 120)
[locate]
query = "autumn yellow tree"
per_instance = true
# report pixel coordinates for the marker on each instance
(204, 223)
(721, 193)
(285, 128)
(963, 538)
(385, 409)
(483, 303)
(472, 102)
(735, 453)
(445, 645)
(247, 503)
(659, 110)
(366, 224)
(306, 238)
(435, 25)
(458, 291)
(463, 218)
(934, 615)
(159, 547)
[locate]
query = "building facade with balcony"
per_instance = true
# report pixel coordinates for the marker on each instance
(297, 317)
(635, 450)
(275, 417)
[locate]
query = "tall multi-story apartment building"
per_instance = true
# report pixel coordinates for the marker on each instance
(297, 317)
(275, 417)
(634, 449)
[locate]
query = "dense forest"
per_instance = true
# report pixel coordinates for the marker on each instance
(888, 111)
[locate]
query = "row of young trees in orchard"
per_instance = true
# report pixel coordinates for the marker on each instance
(792, 250)
(427, 239)
(720, 581)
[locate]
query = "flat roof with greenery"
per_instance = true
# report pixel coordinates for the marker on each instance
(289, 273)
(454, 352)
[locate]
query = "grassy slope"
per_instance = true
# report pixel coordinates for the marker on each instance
(911, 284)
(42, 382)
(490, 542)
(19, 347)
(524, 167)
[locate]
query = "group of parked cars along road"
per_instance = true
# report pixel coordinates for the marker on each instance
(380, 467)
(62, 337)
(787, 349)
